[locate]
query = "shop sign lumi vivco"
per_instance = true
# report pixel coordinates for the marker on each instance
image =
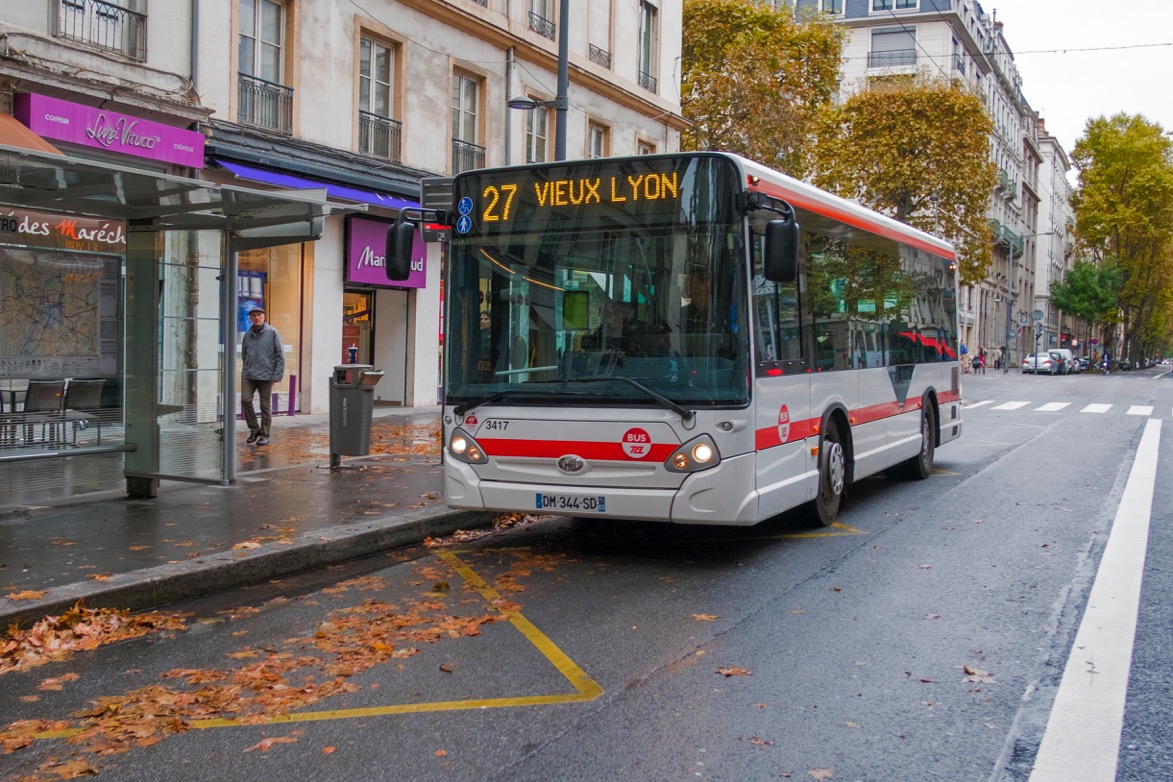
(53, 231)
(88, 126)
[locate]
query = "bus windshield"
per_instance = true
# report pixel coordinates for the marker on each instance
(602, 282)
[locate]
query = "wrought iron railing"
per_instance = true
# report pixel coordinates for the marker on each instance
(647, 81)
(466, 156)
(379, 136)
(102, 25)
(959, 64)
(600, 56)
(541, 25)
(892, 59)
(264, 104)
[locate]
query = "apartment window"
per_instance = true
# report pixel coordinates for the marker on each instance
(598, 140)
(541, 12)
(645, 148)
(466, 153)
(263, 100)
(898, 5)
(648, 35)
(537, 135)
(832, 6)
(599, 33)
(379, 134)
(892, 46)
(105, 26)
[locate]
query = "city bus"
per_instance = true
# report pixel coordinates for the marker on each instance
(689, 338)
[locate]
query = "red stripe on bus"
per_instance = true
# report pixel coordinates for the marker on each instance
(552, 449)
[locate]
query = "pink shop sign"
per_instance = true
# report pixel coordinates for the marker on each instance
(61, 120)
(366, 255)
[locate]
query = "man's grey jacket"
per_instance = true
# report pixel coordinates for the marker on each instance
(262, 354)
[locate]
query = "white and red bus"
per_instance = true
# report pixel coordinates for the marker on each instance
(689, 338)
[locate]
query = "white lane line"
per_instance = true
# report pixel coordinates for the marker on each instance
(1082, 739)
(1096, 407)
(1051, 407)
(978, 404)
(1010, 405)
(1140, 410)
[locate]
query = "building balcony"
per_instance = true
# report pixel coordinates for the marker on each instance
(466, 156)
(379, 136)
(541, 25)
(263, 104)
(647, 81)
(600, 56)
(104, 26)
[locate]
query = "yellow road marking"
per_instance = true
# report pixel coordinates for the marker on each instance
(844, 530)
(585, 688)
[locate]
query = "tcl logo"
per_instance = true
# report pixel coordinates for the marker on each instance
(637, 443)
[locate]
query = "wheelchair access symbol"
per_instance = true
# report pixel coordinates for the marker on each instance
(464, 222)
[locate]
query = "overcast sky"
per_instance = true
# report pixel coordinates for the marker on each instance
(1066, 86)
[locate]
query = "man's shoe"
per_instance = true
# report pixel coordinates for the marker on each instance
(262, 440)
(252, 438)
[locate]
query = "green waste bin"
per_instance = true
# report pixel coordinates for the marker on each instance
(352, 401)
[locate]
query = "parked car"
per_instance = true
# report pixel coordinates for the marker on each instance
(1084, 363)
(1036, 363)
(1070, 365)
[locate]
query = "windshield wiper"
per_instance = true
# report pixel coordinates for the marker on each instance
(685, 414)
(461, 409)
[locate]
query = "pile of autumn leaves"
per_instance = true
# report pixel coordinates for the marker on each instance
(265, 682)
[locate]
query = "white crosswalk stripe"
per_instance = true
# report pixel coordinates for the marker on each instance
(1052, 407)
(1096, 407)
(1010, 405)
(1140, 410)
(972, 405)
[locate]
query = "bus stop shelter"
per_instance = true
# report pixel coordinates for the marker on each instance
(178, 302)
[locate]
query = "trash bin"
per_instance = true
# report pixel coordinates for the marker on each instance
(352, 400)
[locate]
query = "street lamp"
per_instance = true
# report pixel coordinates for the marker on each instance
(560, 104)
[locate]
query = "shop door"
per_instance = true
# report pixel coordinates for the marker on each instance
(357, 319)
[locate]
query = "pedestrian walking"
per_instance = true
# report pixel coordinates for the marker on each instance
(982, 359)
(262, 357)
(964, 358)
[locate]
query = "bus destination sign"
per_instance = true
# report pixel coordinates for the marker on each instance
(651, 188)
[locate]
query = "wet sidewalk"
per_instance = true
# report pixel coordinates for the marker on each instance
(286, 513)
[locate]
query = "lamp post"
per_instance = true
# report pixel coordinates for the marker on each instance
(561, 103)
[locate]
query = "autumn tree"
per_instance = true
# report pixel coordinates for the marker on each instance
(1124, 211)
(754, 79)
(915, 148)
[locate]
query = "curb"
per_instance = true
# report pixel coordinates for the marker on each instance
(158, 586)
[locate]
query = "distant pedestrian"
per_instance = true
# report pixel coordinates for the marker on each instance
(982, 359)
(964, 351)
(262, 357)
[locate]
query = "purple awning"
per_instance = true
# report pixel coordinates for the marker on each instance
(292, 181)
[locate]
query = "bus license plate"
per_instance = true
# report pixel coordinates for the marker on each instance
(565, 502)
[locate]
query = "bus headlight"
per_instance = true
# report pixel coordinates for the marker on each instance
(698, 454)
(465, 449)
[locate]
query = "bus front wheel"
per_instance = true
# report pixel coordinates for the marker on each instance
(832, 475)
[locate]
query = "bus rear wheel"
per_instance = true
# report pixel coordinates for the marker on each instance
(832, 476)
(920, 466)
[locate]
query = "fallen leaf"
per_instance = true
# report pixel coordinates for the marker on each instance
(98, 576)
(28, 594)
(733, 671)
(441, 753)
(265, 744)
(139, 548)
(55, 683)
(328, 750)
(705, 617)
(932, 616)
(977, 675)
(757, 742)
(446, 667)
(70, 769)
(820, 773)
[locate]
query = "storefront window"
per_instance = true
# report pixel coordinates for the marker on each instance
(357, 319)
(272, 278)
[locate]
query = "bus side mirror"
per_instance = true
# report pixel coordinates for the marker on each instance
(399, 240)
(781, 252)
